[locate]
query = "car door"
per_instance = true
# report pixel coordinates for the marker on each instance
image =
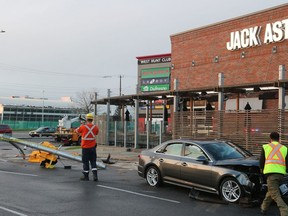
(45, 131)
(170, 161)
(196, 167)
(50, 131)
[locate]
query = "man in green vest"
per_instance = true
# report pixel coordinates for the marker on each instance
(273, 163)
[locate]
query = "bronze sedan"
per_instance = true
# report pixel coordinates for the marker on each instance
(213, 166)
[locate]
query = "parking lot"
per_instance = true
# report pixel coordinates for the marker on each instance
(28, 189)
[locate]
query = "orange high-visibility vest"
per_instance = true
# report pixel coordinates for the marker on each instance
(88, 133)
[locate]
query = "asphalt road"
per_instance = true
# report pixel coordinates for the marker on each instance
(28, 189)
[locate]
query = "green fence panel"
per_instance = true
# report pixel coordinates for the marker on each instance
(29, 125)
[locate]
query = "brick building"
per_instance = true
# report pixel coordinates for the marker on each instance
(247, 50)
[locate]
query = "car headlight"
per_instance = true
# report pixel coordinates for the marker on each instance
(244, 180)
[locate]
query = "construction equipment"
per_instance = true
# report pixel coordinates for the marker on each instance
(66, 123)
(65, 133)
(46, 148)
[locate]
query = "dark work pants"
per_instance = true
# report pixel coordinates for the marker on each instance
(89, 155)
(273, 193)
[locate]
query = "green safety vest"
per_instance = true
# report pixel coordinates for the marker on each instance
(275, 155)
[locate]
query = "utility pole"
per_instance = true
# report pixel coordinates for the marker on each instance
(121, 106)
(108, 117)
(120, 88)
(95, 107)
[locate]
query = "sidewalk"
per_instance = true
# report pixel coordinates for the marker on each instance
(116, 153)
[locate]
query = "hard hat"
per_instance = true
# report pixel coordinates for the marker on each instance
(89, 116)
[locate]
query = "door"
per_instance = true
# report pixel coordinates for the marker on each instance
(194, 171)
(170, 161)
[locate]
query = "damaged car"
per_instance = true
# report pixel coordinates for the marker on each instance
(214, 166)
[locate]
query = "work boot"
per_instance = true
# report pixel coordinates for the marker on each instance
(263, 212)
(85, 176)
(95, 175)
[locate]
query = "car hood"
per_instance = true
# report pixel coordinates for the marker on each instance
(249, 161)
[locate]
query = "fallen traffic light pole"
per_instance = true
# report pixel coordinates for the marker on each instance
(14, 141)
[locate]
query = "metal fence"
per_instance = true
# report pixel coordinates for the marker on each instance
(249, 129)
(122, 134)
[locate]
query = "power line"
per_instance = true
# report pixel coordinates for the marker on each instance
(4, 66)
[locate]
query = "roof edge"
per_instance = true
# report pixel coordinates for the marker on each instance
(154, 56)
(229, 20)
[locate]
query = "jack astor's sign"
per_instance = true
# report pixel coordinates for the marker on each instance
(250, 37)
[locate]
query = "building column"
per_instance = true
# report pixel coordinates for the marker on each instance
(281, 100)
(220, 104)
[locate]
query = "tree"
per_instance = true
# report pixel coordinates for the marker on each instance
(117, 114)
(83, 100)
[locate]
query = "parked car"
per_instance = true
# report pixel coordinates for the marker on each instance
(5, 129)
(43, 131)
(213, 166)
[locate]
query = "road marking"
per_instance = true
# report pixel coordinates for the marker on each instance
(3, 160)
(16, 173)
(12, 211)
(139, 194)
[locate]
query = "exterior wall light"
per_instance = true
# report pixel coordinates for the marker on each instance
(193, 63)
(172, 66)
(243, 54)
(216, 59)
(274, 49)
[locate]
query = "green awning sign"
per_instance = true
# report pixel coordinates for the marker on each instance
(155, 72)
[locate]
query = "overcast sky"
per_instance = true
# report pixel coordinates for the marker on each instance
(63, 47)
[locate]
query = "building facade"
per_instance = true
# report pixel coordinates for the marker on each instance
(247, 50)
(29, 113)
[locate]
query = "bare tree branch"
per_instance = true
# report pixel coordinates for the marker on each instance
(83, 99)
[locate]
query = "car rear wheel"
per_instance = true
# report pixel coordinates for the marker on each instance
(153, 176)
(230, 190)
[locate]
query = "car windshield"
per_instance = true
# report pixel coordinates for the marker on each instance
(225, 151)
(40, 129)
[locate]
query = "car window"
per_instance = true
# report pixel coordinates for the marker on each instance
(223, 151)
(193, 151)
(39, 129)
(4, 127)
(173, 149)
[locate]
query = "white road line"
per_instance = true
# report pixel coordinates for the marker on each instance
(3, 160)
(16, 173)
(12, 211)
(139, 194)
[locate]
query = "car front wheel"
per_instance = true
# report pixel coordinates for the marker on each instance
(153, 176)
(230, 190)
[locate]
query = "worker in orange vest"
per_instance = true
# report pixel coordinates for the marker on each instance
(88, 133)
(274, 163)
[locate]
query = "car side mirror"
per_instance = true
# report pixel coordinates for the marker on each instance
(161, 151)
(202, 159)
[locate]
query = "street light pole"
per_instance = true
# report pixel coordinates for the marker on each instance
(43, 107)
